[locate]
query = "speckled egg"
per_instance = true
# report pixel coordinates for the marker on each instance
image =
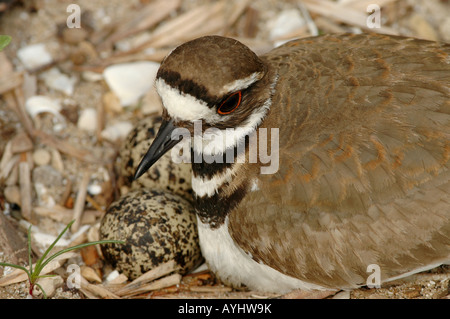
(156, 226)
(163, 175)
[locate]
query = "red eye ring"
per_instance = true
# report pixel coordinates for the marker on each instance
(230, 104)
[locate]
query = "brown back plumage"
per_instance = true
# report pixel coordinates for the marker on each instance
(364, 174)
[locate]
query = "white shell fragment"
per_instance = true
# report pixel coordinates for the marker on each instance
(42, 239)
(34, 56)
(56, 80)
(130, 81)
(40, 104)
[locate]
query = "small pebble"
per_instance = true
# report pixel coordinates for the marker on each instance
(113, 275)
(88, 120)
(41, 157)
(12, 194)
(94, 189)
(49, 284)
(112, 103)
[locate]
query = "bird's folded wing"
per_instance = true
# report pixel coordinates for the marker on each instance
(364, 172)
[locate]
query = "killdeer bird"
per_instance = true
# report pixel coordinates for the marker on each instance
(363, 175)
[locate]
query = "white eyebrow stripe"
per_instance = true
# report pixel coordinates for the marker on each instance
(241, 84)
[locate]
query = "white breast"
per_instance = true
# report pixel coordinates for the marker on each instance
(232, 265)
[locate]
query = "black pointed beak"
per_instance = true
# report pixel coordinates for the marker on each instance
(163, 142)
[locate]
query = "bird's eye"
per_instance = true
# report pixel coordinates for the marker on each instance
(230, 104)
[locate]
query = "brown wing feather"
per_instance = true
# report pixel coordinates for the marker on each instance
(364, 173)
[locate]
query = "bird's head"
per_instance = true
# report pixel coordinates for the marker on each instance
(212, 80)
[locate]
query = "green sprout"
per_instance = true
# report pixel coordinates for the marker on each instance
(4, 41)
(34, 274)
